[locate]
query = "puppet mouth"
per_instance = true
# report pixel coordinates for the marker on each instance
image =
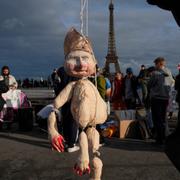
(80, 73)
(80, 70)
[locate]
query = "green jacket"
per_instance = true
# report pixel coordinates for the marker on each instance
(101, 85)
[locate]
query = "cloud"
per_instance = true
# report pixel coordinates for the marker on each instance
(32, 33)
(10, 24)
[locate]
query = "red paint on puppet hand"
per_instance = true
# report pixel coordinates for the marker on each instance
(58, 143)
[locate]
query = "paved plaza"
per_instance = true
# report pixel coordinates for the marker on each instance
(28, 156)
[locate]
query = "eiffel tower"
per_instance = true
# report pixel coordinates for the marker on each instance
(111, 57)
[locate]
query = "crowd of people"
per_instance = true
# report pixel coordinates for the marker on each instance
(154, 89)
(35, 83)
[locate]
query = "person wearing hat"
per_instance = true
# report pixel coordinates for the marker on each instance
(130, 89)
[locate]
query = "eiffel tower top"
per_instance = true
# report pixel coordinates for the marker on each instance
(111, 4)
(111, 55)
(111, 42)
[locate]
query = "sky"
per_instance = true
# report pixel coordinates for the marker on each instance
(32, 34)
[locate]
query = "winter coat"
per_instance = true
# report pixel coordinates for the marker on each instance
(177, 87)
(12, 81)
(3, 89)
(157, 85)
(133, 85)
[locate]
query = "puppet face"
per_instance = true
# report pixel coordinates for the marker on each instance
(79, 64)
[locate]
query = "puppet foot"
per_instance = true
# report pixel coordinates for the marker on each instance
(96, 169)
(81, 171)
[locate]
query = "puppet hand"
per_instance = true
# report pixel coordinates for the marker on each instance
(58, 143)
(82, 169)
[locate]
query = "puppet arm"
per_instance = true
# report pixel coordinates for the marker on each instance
(64, 96)
(56, 139)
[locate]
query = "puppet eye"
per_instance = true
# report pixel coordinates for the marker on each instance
(71, 58)
(85, 58)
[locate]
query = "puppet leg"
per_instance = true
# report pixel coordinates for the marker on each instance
(96, 169)
(82, 166)
(93, 140)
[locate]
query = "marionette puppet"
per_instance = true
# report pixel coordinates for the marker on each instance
(87, 106)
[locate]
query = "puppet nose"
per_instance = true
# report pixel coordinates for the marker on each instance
(80, 63)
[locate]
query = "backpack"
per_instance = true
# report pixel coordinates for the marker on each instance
(101, 86)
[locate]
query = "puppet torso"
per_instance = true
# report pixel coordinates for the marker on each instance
(87, 106)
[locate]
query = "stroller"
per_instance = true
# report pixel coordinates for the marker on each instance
(17, 109)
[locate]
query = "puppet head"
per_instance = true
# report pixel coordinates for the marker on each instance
(79, 57)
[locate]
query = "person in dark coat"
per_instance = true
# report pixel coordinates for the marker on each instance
(172, 147)
(130, 88)
(177, 88)
(70, 129)
(159, 88)
(3, 89)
